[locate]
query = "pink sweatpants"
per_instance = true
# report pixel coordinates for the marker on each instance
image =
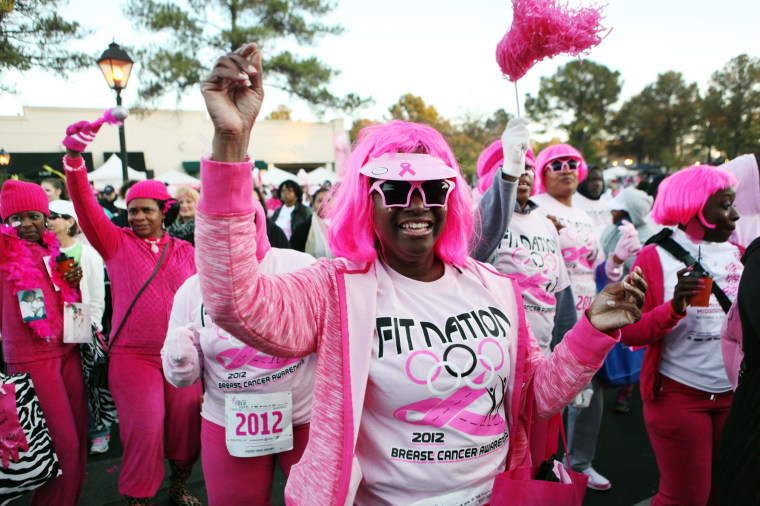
(232, 481)
(156, 420)
(684, 426)
(59, 385)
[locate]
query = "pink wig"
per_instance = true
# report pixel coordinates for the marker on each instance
(352, 231)
(551, 153)
(490, 160)
(681, 196)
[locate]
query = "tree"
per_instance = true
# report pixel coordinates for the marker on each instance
(412, 108)
(731, 108)
(658, 124)
(34, 35)
(357, 127)
(282, 112)
(195, 32)
(577, 98)
(471, 134)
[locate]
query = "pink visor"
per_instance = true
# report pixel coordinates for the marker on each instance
(407, 167)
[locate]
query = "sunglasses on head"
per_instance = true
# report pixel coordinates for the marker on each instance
(559, 164)
(435, 192)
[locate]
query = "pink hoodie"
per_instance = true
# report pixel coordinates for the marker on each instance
(747, 201)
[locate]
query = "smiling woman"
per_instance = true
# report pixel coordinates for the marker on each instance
(406, 326)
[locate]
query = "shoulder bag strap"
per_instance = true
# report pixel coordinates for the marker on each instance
(129, 309)
(668, 244)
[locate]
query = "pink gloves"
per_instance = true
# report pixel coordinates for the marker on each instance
(629, 244)
(81, 134)
(12, 437)
(514, 144)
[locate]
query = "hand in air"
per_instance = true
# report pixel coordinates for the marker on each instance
(233, 93)
(618, 304)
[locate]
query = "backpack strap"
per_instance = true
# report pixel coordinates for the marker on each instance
(666, 242)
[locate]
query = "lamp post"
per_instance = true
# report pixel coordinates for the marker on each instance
(5, 159)
(116, 66)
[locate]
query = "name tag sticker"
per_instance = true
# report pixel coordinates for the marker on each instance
(258, 424)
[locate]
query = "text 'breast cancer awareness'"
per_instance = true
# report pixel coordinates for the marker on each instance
(406, 167)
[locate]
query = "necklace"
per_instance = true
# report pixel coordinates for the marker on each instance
(153, 243)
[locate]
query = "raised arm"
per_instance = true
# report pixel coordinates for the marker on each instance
(494, 214)
(282, 315)
(103, 235)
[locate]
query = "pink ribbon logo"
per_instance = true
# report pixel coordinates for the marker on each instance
(406, 167)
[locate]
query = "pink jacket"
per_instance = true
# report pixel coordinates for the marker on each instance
(20, 342)
(329, 309)
(130, 262)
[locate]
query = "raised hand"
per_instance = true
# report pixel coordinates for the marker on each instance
(618, 304)
(515, 142)
(233, 93)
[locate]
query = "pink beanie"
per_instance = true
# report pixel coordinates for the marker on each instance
(18, 196)
(148, 189)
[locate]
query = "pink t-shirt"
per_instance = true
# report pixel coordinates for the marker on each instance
(434, 427)
(530, 253)
(580, 245)
(231, 366)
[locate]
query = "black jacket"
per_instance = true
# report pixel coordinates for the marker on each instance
(301, 214)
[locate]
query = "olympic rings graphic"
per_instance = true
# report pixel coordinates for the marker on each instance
(462, 372)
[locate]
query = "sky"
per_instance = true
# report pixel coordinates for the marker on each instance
(440, 50)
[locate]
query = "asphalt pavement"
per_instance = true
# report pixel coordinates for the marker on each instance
(623, 455)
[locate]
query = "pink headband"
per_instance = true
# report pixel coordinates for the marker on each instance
(407, 167)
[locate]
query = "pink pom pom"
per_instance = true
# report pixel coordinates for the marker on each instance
(543, 29)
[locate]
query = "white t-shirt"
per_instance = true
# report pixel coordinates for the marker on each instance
(691, 352)
(229, 365)
(600, 214)
(530, 253)
(283, 219)
(580, 246)
(434, 427)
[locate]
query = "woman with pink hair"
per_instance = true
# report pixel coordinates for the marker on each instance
(423, 354)
(527, 248)
(559, 170)
(686, 392)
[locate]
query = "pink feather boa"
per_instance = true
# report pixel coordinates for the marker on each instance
(23, 270)
(543, 29)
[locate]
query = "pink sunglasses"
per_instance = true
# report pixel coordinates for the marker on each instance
(435, 192)
(561, 164)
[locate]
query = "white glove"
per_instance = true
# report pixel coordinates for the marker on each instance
(629, 244)
(583, 400)
(514, 144)
(179, 348)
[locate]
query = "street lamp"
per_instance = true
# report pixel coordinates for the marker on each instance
(5, 159)
(116, 66)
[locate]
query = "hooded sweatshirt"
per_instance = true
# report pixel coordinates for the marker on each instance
(638, 206)
(747, 201)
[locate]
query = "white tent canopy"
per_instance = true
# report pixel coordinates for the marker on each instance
(110, 173)
(179, 178)
(320, 175)
(274, 176)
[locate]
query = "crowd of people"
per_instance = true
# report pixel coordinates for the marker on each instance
(248, 330)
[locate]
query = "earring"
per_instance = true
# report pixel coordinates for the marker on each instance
(388, 210)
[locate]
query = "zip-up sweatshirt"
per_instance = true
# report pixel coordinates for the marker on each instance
(130, 262)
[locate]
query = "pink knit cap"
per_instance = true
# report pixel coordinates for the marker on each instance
(148, 189)
(551, 153)
(18, 196)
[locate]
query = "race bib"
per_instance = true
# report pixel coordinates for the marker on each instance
(258, 424)
(76, 323)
